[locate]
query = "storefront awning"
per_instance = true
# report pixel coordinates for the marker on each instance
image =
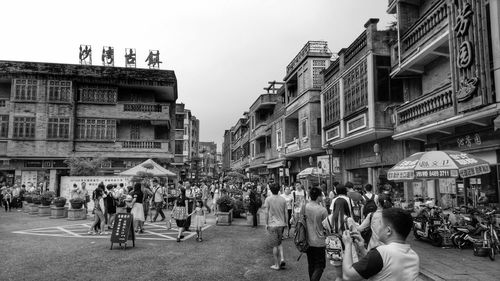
(275, 165)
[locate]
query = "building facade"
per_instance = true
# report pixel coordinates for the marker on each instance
(448, 58)
(187, 128)
(208, 167)
(240, 145)
(226, 151)
(356, 120)
(51, 111)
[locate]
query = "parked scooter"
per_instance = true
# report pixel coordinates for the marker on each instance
(431, 224)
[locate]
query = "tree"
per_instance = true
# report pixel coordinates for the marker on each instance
(79, 166)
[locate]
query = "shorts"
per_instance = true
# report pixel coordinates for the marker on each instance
(276, 235)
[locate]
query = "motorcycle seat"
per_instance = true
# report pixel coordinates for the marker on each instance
(465, 230)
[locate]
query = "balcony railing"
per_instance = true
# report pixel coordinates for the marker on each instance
(439, 99)
(293, 146)
(135, 107)
(316, 47)
(428, 25)
(142, 144)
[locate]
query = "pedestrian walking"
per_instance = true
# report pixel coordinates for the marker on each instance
(7, 200)
(299, 199)
(216, 197)
(98, 213)
(357, 202)
(200, 219)
(190, 195)
(373, 222)
(315, 214)
(158, 199)
(276, 218)
(289, 207)
(395, 260)
(341, 193)
(148, 195)
(137, 208)
(255, 202)
(179, 213)
(111, 198)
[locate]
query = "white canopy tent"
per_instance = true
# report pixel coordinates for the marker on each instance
(150, 167)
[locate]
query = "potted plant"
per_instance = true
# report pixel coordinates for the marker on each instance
(59, 202)
(224, 216)
(76, 203)
(238, 208)
(37, 199)
(28, 197)
(47, 197)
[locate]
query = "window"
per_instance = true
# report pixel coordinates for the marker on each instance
(278, 139)
(135, 131)
(98, 95)
(186, 130)
(96, 129)
(24, 127)
(26, 89)
(303, 127)
(332, 133)
(186, 145)
(178, 146)
(59, 91)
(356, 124)
(179, 121)
(58, 128)
(318, 126)
(4, 126)
(252, 150)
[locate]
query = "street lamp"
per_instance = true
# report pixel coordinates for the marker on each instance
(329, 151)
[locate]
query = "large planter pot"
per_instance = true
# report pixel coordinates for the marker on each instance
(76, 205)
(26, 208)
(43, 211)
(224, 218)
(77, 214)
(58, 212)
(33, 209)
(60, 202)
(46, 202)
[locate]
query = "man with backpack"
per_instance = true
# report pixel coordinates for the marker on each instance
(357, 201)
(315, 214)
(158, 194)
(369, 199)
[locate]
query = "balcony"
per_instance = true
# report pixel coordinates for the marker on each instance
(434, 106)
(430, 26)
(292, 146)
(265, 101)
(127, 111)
(260, 130)
(311, 48)
(125, 148)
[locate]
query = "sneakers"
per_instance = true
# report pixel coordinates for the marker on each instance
(103, 233)
(275, 267)
(282, 264)
(91, 233)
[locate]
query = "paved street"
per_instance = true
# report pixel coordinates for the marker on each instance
(49, 249)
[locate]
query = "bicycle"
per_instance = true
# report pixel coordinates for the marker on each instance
(490, 241)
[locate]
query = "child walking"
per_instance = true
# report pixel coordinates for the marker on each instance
(200, 218)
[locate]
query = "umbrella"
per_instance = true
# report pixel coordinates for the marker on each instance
(314, 172)
(438, 164)
(149, 168)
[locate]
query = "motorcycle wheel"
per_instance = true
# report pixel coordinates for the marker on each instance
(475, 250)
(436, 240)
(417, 237)
(455, 240)
(492, 253)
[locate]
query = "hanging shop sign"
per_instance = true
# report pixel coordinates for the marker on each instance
(471, 54)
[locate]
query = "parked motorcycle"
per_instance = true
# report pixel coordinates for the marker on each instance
(431, 224)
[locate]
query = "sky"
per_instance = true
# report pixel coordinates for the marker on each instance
(223, 52)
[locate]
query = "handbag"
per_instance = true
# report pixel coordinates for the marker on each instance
(367, 232)
(87, 198)
(179, 213)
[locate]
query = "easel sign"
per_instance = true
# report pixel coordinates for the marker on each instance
(123, 230)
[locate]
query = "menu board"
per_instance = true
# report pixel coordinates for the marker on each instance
(123, 230)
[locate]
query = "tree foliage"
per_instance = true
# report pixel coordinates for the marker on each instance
(79, 166)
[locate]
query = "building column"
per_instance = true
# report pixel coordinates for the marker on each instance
(495, 43)
(370, 72)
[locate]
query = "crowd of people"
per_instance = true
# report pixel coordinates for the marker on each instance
(11, 196)
(361, 234)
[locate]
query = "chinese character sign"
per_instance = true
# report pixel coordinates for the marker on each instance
(130, 57)
(153, 59)
(108, 56)
(85, 55)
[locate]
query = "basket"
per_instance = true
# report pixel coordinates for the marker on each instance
(480, 251)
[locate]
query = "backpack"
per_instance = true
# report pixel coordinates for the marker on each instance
(300, 238)
(356, 211)
(334, 246)
(370, 205)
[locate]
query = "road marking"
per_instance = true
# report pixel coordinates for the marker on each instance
(69, 232)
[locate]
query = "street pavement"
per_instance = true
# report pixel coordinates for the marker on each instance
(247, 250)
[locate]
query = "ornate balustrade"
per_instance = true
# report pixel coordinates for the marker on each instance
(426, 27)
(435, 101)
(142, 144)
(137, 107)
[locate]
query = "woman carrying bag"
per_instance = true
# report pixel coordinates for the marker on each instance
(179, 213)
(373, 221)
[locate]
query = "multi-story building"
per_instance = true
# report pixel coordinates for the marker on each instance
(208, 160)
(448, 58)
(186, 142)
(260, 114)
(240, 145)
(356, 96)
(300, 127)
(50, 112)
(226, 151)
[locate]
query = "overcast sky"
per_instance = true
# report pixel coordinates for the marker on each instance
(223, 51)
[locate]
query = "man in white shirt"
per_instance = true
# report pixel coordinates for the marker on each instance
(158, 193)
(276, 217)
(393, 261)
